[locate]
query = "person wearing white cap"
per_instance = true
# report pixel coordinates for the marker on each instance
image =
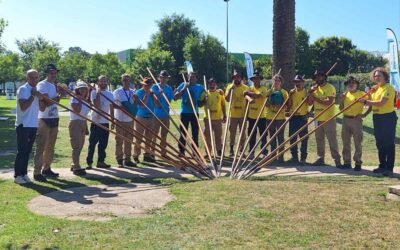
(77, 126)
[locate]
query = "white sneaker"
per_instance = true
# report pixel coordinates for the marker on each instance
(27, 179)
(20, 180)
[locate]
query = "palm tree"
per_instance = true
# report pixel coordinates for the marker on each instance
(284, 39)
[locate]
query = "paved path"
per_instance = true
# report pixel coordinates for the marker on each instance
(170, 172)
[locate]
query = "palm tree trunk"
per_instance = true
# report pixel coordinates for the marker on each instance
(284, 40)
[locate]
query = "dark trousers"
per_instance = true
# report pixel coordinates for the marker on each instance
(385, 133)
(100, 136)
(260, 126)
(295, 123)
(275, 125)
(25, 139)
(186, 119)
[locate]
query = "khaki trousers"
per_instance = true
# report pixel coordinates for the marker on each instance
(236, 124)
(45, 142)
(352, 127)
(328, 131)
(123, 147)
(77, 130)
(217, 133)
(144, 134)
(163, 135)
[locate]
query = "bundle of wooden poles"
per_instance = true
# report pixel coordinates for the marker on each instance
(195, 163)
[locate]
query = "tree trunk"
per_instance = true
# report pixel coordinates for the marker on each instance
(284, 40)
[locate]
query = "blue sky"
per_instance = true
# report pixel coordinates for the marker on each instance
(101, 25)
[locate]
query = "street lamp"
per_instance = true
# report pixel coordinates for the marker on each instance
(227, 41)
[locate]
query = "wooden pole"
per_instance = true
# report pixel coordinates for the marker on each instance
(226, 131)
(209, 125)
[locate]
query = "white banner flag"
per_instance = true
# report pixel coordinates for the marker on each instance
(393, 59)
(249, 67)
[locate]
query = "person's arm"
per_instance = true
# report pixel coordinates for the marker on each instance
(179, 91)
(367, 112)
(379, 103)
(341, 101)
(76, 106)
(228, 92)
(223, 106)
(325, 101)
(96, 98)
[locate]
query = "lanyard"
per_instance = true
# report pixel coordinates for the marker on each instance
(128, 96)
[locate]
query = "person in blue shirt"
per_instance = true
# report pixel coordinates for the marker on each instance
(161, 107)
(145, 117)
(197, 93)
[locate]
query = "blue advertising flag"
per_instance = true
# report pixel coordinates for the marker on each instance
(249, 67)
(189, 67)
(393, 59)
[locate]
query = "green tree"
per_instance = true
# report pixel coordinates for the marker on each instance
(108, 65)
(73, 66)
(3, 25)
(41, 58)
(156, 60)
(264, 66)
(207, 55)
(10, 67)
(303, 58)
(363, 61)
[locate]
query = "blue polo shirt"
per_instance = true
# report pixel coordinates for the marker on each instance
(195, 91)
(169, 93)
(142, 110)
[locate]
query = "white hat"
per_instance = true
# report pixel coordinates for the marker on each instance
(80, 85)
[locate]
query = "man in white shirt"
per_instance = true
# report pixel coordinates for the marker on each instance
(48, 125)
(123, 148)
(101, 99)
(26, 123)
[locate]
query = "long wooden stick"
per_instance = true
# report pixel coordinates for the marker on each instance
(262, 164)
(198, 124)
(188, 137)
(227, 123)
(213, 147)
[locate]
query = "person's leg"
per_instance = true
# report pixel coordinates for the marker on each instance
(48, 153)
(148, 135)
(103, 142)
(195, 129)
(234, 124)
(357, 130)
(320, 139)
(280, 137)
(74, 136)
(139, 128)
(164, 134)
(304, 143)
(128, 134)
(41, 138)
(119, 142)
(379, 128)
(185, 122)
(252, 138)
(262, 126)
(293, 127)
(332, 139)
(272, 131)
(217, 128)
(22, 139)
(243, 138)
(207, 133)
(346, 138)
(389, 138)
(93, 140)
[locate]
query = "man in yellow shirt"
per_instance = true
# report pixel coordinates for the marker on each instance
(385, 120)
(216, 104)
(276, 98)
(259, 94)
(323, 95)
(238, 109)
(352, 124)
(298, 120)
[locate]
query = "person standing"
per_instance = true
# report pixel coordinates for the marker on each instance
(197, 92)
(298, 120)
(146, 120)
(259, 94)
(160, 105)
(238, 110)
(276, 98)
(385, 120)
(101, 98)
(216, 105)
(26, 123)
(323, 95)
(77, 126)
(48, 125)
(124, 97)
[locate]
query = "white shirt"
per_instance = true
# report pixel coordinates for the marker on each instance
(122, 95)
(29, 117)
(50, 89)
(104, 105)
(84, 111)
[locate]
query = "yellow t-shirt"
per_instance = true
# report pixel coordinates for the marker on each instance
(296, 97)
(385, 91)
(257, 104)
(238, 105)
(323, 92)
(271, 111)
(215, 102)
(356, 109)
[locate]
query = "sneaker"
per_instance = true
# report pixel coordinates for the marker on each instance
(319, 162)
(293, 160)
(388, 173)
(102, 165)
(129, 163)
(49, 173)
(302, 162)
(120, 163)
(136, 159)
(148, 158)
(39, 178)
(357, 167)
(344, 166)
(378, 170)
(27, 179)
(89, 166)
(20, 180)
(79, 172)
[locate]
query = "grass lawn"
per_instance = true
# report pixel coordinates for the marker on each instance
(273, 212)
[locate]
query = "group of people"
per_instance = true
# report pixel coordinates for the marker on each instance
(146, 112)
